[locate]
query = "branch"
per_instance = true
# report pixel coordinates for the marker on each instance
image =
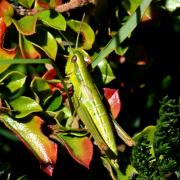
(73, 4)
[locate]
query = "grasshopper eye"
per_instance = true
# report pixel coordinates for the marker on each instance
(74, 58)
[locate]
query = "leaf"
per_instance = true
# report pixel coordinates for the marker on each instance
(80, 148)
(172, 5)
(4, 53)
(27, 49)
(106, 72)
(87, 33)
(112, 96)
(26, 25)
(122, 33)
(53, 102)
(30, 133)
(149, 131)
(45, 41)
(131, 5)
(26, 3)
(53, 19)
(50, 4)
(6, 11)
(41, 88)
(25, 106)
(13, 81)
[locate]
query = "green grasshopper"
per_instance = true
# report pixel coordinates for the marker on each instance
(89, 105)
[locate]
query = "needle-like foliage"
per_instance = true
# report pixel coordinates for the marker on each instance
(165, 160)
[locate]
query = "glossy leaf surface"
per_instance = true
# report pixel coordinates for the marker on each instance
(52, 19)
(30, 133)
(26, 25)
(25, 106)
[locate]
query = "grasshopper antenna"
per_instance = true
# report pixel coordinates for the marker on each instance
(65, 38)
(77, 39)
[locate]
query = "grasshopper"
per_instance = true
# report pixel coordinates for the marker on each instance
(89, 106)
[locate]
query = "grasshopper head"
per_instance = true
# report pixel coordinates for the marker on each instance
(77, 58)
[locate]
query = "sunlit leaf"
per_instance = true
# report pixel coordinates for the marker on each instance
(26, 25)
(80, 148)
(45, 41)
(172, 5)
(13, 81)
(27, 49)
(26, 3)
(6, 11)
(25, 106)
(52, 19)
(107, 74)
(88, 36)
(4, 53)
(148, 131)
(112, 96)
(30, 133)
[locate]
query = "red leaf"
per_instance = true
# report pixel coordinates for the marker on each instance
(6, 52)
(30, 133)
(112, 96)
(80, 148)
(50, 74)
(5, 8)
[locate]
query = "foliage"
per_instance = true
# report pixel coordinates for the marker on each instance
(126, 46)
(160, 159)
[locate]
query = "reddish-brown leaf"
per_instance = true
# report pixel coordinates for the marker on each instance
(30, 133)
(5, 53)
(5, 9)
(44, 4)
(80, 148)
(112, 96)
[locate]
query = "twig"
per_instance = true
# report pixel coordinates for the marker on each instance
(73, 4)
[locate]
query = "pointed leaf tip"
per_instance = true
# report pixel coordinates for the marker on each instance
(48, 168)
(112, 96)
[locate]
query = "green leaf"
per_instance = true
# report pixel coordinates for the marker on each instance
(26, 25)
(86, 31)
(107, 74)
(149, 131)
(41, 88)
(25, 106)
(30, 133)
(27, 49)
(53, 102)
(53, 19)
(122, 33)
(45, 41)
(131, 5)
(26, 3)
(13, 81)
